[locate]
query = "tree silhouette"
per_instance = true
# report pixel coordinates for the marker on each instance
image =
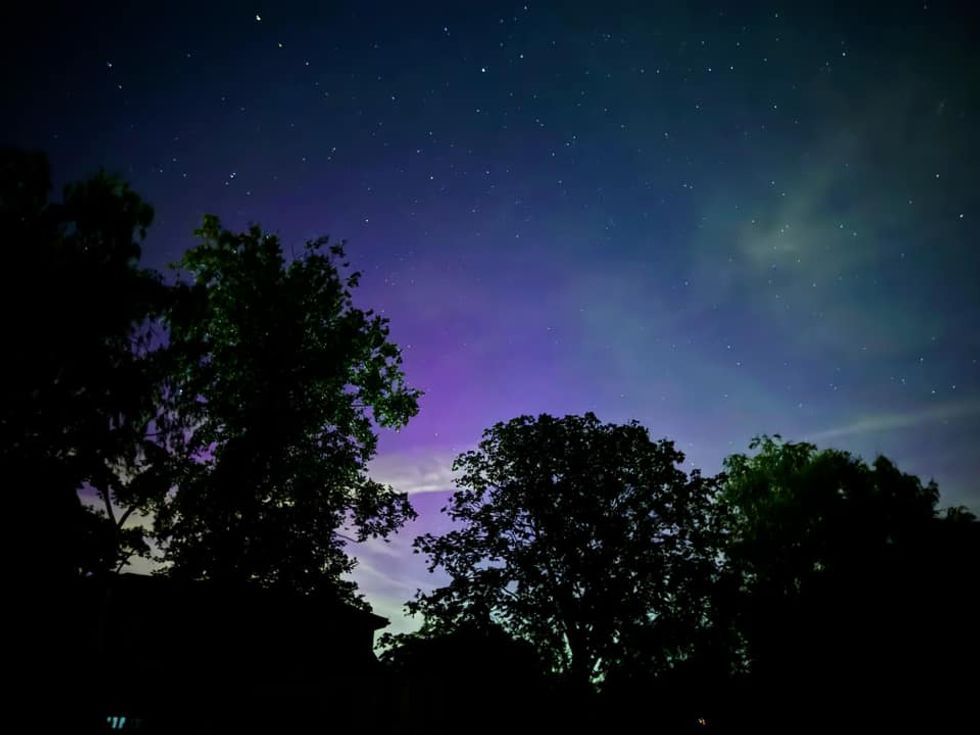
(582, 538)
(797, 512)
(78, 394)
(279, 381)
(847, 572)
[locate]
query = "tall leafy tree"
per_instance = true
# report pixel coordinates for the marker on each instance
(279, 381)
(847, 573)
(797, 512)
(582, 538)
(78, 393)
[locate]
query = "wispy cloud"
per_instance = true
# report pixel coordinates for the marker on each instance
(389, 574)
(882, 422)
(820, 255)
(411, 473)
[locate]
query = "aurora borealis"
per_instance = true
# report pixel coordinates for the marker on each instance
(719, 219)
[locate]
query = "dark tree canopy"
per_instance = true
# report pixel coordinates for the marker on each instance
(579, 537)
(796, 511)
(77, 397)
(279, 380)
(237, 406)
(847, 576)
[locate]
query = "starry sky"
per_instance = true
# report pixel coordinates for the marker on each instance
(719, 219)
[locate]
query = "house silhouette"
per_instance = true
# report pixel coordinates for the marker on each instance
(155, 654)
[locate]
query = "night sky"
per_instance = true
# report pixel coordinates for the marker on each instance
(720, 220)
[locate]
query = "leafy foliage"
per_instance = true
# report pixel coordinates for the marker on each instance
(579, 537)
(798, 514)
(846, 573)
(78, 396)
(278, 380)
